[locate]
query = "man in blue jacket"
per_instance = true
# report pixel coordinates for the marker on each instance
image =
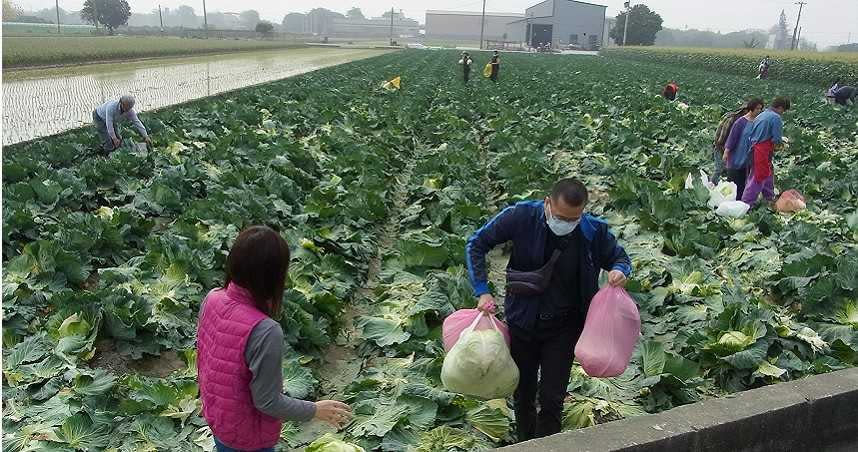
(544, 327)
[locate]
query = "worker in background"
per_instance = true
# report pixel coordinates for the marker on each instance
(558, 253)
(107, 117)
(846, 94)
(764, 68)
(670, 91)
(829, 95)
(766, 137)
(495, 62)
(737, 148)
(466, 61)
(722, 133)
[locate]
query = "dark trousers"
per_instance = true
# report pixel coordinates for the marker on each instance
(101, 128)
(738, 177)
(545, 352)
(495, 70)
(467, 76)
(221, 447)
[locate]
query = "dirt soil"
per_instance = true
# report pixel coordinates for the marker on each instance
(341, 363)
(108, 358)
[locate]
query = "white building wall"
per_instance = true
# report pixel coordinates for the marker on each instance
(466, 25)
(582, 19)
(586, 21)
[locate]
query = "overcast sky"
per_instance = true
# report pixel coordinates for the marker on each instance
(825, 22)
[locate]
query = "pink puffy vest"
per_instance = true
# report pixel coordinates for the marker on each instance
(227, 319)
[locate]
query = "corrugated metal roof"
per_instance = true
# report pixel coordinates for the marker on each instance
(587, 3)
(470, 13)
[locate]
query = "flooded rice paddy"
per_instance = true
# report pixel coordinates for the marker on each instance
(43, 102)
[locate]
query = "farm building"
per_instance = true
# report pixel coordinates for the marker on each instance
(466, 25)
(377, 26)
(324, 22)
(561, 23)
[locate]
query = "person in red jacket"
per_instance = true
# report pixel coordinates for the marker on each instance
(239, 350)
(670, 91)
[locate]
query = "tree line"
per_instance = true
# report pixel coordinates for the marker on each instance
(645, 29)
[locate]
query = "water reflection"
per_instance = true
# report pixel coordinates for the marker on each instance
(40, 106)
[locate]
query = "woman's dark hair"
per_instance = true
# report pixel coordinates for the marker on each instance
(752, 104)
(259, 262)
(571, 191)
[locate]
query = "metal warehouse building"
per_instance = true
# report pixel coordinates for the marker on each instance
(465, 25)
(560, 22)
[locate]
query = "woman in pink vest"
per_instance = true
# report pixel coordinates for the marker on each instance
(239, 350)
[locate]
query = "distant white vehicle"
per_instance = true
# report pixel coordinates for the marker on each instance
(416, 45)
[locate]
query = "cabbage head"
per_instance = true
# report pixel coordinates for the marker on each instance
(330, 443)
(480, 365)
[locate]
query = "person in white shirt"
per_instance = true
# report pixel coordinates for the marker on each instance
(764, 68)
(106, 119)
(466, 61)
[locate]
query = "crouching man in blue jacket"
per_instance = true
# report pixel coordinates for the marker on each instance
(557, 254)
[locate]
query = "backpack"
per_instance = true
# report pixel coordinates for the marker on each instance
(724, 126)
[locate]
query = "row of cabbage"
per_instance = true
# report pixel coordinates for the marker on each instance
(116, 253)
(818, 68)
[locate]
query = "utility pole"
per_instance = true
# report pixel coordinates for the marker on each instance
(205, 20)
(626, 27)
(795, 30)
(391, 25)
(529, 29)
(798, 39)
(57, 3)
(161, 18)
(483, 25)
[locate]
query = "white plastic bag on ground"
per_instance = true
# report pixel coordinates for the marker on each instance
(723, 192)
(480, 364)
(733, 209)
(704, 179)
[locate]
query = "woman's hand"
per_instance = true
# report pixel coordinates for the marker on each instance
(338, 414)
(486, 303)
(616, 278)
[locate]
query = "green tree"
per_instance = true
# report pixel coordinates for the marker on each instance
(187, 17)
(10, 11)
(294, 23)
(355, 13)
(110, 13)
(644, 23)
(249, 19)
(264, 27)
(752, 44)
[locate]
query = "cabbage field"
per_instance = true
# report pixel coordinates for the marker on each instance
(105, 260)
(820, 68)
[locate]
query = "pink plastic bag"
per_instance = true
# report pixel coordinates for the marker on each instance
(611, 330)
(460, 320)
(790, 201)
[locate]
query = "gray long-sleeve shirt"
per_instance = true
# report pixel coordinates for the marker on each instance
(110, 113)
(263, 355)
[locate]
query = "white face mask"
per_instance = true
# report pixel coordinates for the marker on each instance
(560, 227)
